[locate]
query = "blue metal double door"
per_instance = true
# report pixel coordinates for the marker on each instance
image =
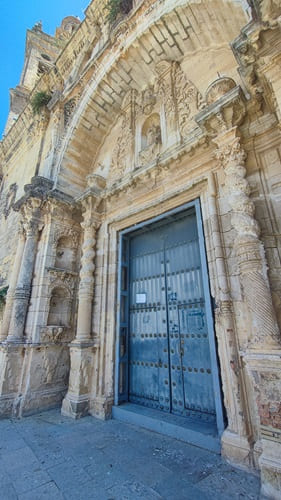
(169, 345)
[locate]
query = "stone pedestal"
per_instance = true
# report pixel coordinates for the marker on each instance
(76, 402)
(270, 466)
(264, 369)
(11, 361)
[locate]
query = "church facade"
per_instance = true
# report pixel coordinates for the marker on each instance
(140, 208)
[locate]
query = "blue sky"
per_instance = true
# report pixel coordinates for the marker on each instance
(15, 18)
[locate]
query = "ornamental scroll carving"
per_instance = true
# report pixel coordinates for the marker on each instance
(188, 100)
(124, 146)
(174, 99)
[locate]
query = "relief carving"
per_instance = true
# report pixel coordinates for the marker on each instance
(52, 334)
(122, 152)
(69, 108)
(62, 232)
(164, 90)
(188, 100)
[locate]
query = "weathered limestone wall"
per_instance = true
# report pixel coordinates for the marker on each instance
(145, 116)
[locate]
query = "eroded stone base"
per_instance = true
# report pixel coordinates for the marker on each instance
(270, 465)
(33, 377)
(75, 408)
(101, 407)
(236, 449)
(76, 402)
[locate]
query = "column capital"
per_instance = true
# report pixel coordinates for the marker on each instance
(31, 216)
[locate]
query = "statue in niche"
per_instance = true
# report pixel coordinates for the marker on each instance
(150, 139)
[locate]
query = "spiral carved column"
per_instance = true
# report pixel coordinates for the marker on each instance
(86, 286)
(248, 246)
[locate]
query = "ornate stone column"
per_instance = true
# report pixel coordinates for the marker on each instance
(90, 226)
(249, 248)
(261, 351)
(83, 348)
(235, 441)
(31, 218)
(12, 286)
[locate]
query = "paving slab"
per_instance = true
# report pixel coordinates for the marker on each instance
(48, 456)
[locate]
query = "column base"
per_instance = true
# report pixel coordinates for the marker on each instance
(101, 407)
(236, 449)
(11, 363)
(270, 466)
(75, 407)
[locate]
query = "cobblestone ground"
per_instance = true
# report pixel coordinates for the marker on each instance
(48, 456)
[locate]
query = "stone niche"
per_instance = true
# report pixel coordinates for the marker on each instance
(65, 254)
(151, 139)
(60, 307)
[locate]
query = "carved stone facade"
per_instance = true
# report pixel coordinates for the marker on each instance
(146, 116)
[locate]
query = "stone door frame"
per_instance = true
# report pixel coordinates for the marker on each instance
(195, 204)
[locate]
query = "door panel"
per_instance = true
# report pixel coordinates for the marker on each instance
(148, 365)
(169, 354)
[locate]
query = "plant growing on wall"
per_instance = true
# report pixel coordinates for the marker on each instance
(3, 293)
(39, 101)
(118, 7)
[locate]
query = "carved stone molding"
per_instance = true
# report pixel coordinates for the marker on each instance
(226, 112)
(61, 277)
(219, 88)
(52, 334)
(188, 100)
(61, 232)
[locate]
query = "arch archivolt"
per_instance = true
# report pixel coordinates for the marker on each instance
(139, 64)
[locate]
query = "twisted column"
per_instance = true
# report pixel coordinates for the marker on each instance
(24, 281)
(249, 248)
(86, 286)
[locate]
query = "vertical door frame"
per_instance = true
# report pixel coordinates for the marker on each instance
(123, 236)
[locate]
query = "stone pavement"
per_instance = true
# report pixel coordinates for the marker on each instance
(51, 457)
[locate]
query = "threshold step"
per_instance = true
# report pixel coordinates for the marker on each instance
(201, 434)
